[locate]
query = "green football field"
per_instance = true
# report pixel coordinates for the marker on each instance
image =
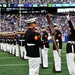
(11, 65)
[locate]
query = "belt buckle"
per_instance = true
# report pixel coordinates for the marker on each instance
(72, 42)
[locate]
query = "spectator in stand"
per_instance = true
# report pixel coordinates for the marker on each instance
(11, 22)
(37, 1)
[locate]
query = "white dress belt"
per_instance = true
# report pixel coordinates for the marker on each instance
(72, 42)
(22, 40)
(28, 44)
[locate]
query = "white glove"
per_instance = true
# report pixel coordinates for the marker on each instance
(57, 40)
(49, 37)
(68, 17)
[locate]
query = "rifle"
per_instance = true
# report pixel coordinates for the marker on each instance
(50, 31)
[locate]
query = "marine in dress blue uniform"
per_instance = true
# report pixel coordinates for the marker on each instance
(70, 48)
(32, 44)
(57, 53)
(45, 48)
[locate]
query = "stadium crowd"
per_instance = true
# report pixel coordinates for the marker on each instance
(12, 22)
(37, 1)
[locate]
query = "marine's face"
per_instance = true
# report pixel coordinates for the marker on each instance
(36, 31)
(44, 29)
(56, 28)
(34, 25)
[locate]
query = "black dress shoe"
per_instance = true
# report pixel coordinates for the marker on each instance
(45, 67)
(57, 71)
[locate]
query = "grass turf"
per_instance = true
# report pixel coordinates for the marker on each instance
(10, 65)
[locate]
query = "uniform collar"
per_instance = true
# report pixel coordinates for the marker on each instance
(30, 28)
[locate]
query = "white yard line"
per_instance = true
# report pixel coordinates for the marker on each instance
(16, 57)
(13, 65)
(6, 57)
(22, 64)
